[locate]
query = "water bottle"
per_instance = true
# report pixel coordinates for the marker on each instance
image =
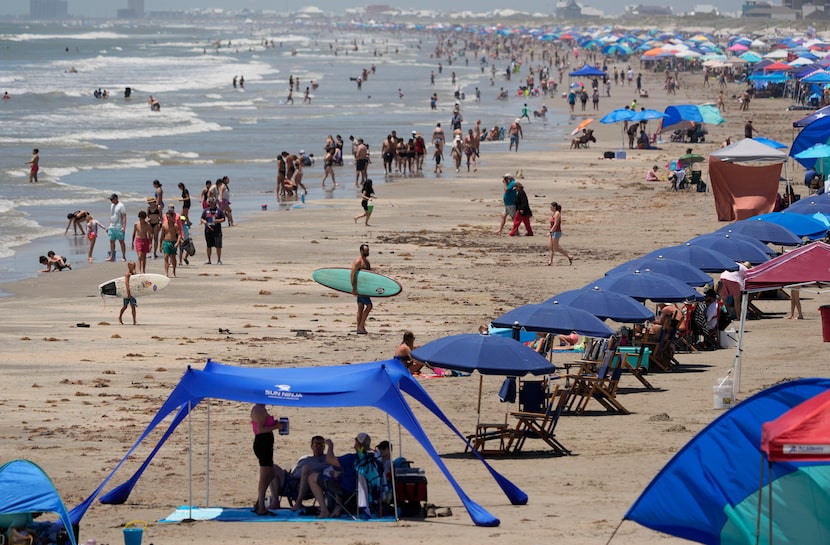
(302, 198)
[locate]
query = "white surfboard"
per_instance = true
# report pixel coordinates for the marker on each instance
(140, 285)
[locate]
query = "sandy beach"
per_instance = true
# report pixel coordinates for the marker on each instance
(76, 399)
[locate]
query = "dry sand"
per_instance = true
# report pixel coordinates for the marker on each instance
(75, 399)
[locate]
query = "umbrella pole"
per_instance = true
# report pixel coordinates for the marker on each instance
(478, 406)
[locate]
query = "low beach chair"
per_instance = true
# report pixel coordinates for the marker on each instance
(540, 425)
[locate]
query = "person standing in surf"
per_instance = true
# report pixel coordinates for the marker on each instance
(364, 303)
(35, 166)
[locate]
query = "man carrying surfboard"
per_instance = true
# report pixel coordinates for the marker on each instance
(364, 303)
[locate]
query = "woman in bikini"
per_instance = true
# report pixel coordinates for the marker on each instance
(404, 354)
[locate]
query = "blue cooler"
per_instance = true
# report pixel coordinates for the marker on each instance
(619, 154)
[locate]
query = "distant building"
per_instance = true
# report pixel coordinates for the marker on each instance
(822, 5)
(753, 9)
(568, 9)
(48, 9)
(642, 10)
(135, 10)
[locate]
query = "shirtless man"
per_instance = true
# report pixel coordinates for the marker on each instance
(438, 135)
(361, 162)
(171, 237)
(364, 303)
(142, 240)
(35, 165)
(515, 134)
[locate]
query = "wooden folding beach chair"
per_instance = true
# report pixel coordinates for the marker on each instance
(539, 425)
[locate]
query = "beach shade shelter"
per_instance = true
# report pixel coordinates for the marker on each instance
(647, 115)
(679, 270)
(618, 116)
(25, 489)
(680, 116)
(811, 205)
(807, 119)
(817, 132)
(705, 259)
(738, 247)
(377, 384)
(806, 268)
(764, 231)
(604, 304)
(587, 71)
(744, 178)
(769, 142)
(819, 154)
(820, 77)
(800, 224)
(708, 492)
(486, 354)
(645, 284)
(554, 318)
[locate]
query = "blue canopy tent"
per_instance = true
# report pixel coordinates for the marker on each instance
(806, 120)
(377, 384)
(708, 492)
(586, 72)
(25, 488)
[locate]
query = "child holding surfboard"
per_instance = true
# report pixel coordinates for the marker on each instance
(366, 195)
(129, 300)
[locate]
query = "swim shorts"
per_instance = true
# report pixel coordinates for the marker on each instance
(92, 235)
(360, 164)
(115, 233)
(169, 247)
(510, 210)
(128, 300)
(142, 245)
(264, 449)
(514, 138)
(364, 300)
(213, 239)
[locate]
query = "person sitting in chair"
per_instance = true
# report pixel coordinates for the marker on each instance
(302, 473)
(677, 177)
(568, 341)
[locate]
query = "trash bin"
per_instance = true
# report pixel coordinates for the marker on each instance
(825, 322)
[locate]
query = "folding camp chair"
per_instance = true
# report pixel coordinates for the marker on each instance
(355, 483)
(541, 425)
(583, 383)
(636, 363)
(604, 391)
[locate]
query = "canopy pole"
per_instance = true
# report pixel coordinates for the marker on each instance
(739, 349)
(769, 498)
(392, 466)
(478, 406)
(207, 461)
(190, 460)
(760, 502)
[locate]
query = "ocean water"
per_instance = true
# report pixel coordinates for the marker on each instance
(206, 129)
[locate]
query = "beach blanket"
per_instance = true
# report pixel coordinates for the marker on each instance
(245, 514)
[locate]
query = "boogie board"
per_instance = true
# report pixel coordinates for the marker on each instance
(368, 283)
(140, 284)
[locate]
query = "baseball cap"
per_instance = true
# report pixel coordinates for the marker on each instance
(302, 151)
(518, 120)
(508, 175)
(363, 438)
(113, 196)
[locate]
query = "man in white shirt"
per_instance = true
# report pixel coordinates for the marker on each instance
(115, 231)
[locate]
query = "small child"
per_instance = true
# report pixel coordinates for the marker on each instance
(52, 260)
(92, 226)
(129, 300)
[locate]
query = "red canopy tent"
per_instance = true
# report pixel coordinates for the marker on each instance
(802, 433)
(806, 268)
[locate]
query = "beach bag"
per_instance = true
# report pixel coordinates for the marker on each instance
(507, 392)
(189, 247)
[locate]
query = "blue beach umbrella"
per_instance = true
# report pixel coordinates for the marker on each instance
(763, 231)
(679, 270)
(487, 354)
(738, 247)
(820, 152)
(642, 285)
(705, 259)
(801, 225)
(554, 318)
(647, 115)
(618, 116)
(604, 304)
(811, 205)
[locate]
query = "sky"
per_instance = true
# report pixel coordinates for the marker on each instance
(107, 8)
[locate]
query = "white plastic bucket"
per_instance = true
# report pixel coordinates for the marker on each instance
(723, 393)
(728, 338)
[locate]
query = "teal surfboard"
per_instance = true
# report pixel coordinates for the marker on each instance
(368, 283)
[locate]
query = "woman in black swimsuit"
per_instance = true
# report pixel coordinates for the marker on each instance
(404, 354)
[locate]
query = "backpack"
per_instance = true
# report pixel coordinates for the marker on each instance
(189, 247)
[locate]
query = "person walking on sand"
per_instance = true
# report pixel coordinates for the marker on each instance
(515, 134)
(117, 226)
(171, 239)
(367, 194)
(364, 303)
(129, 300)
(34, 165)
(509, 200)
(523, 212)
(556, 233)
(142, 240)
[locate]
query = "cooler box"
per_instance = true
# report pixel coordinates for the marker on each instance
(619, 154)
(630, 354)
(410, 485)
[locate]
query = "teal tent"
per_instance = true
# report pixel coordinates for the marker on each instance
(25, 488)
